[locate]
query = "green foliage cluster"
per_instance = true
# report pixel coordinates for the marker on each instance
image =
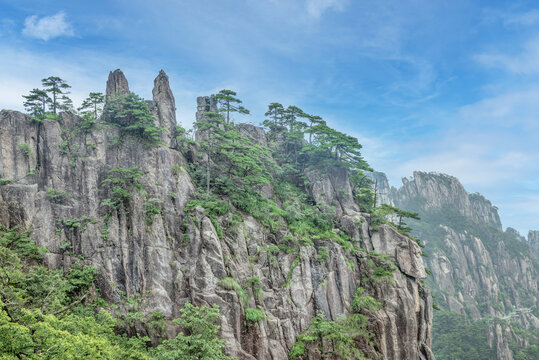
(326, 147)
(92, 106)
(254, 315)
(337, 338)
(454, 337)
(55, 314)
(213, 207)
(41, 311)
(131, 113)
(120, 185)
(229, 283)
(78, 223)
(252, 284)
(378, 268)
(57, 196)
(153, 207)
(530, 337)
(233, 163)
(24, 148)
(198, 340)
(5, 181)
(340, 337)
(52, 96)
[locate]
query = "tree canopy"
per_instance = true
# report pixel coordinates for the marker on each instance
(228, 103)
(57, 88)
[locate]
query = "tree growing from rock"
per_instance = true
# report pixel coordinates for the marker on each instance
(57, 88)
(36, 103)
(228, 103)
(400, 214)
(198, 340)
(132, 114)
(93, 103)
(275, 115)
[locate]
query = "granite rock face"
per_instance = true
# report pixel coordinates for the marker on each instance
(175, 256)
(166, 106)
(116, 84)
(439, 191)
(331, 186)
(533, 239)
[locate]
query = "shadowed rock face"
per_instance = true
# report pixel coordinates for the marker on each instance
(178, 257)
(117, 84)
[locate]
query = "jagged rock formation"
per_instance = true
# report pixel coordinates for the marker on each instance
(533, 239)
(477, 269)
(116, 84)
(165, 106)
(381, 187)
(438, 191)
(178, 255)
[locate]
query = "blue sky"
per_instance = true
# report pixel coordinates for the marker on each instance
(447, 86)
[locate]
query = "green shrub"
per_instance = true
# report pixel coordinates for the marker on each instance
(364, 303)
(4, 181)
(229, 283)
(57, 196)
(323, 254)
(131, 113)
(254, 315)
(153, 207)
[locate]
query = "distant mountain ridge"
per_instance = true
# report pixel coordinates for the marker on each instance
(478, 270)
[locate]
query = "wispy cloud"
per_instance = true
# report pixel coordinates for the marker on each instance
(47, 27)
(518, 107)
(315, 8)
(473, 163)
(526, 62)
(526, 18)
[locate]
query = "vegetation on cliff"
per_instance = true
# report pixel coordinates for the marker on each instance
(237, 175)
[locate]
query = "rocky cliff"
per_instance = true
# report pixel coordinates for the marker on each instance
(533, 239)
(477, 269)
(154, 246)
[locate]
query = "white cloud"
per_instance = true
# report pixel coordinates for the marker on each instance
(517, 107)
(47, 27)
(315, 8)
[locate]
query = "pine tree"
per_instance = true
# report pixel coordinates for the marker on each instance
(94, 102)
(36, 103)
(57, 88)
(228, 103)
(275, 113)
(314, 120)
(212, 125)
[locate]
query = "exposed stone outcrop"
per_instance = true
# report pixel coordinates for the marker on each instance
(116, 84)
(177, 257)
(383, 191)
(166, 106)
(436, 191)
(533, 239)
(255, 133)
(205, 104)
(331, 186)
